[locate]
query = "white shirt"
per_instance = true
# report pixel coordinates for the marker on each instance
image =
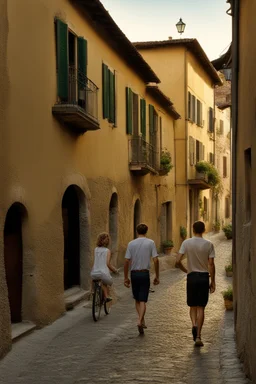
(139, 251)
(198, 251)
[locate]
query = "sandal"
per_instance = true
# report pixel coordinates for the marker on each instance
(141, 329)
(199, 342)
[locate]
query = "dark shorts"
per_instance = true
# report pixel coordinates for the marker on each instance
(140, 285)
(197, 289)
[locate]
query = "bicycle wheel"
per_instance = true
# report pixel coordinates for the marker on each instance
(107, 307)
(96, 303)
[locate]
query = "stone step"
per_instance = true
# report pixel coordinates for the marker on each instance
(75, 297)
(21, 329)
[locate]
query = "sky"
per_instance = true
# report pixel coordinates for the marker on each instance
(147, 20)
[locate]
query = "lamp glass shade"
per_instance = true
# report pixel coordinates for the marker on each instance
(180, 26)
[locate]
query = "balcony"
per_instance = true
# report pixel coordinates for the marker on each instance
(79, 111)
(142, 157)
(200, 181)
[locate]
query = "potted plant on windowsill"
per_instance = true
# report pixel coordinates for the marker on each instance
(229, 270)
(165, 162)
(228, 298)
(227, 229)
(167, 246)
(202, 169)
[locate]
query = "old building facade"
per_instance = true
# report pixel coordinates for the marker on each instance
(243, 179)
(185, 68)
(85, 131)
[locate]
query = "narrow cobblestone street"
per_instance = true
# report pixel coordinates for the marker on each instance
(76, 350)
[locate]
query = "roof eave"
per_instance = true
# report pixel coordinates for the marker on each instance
(163, 100)
(193, 46)
(104, 22)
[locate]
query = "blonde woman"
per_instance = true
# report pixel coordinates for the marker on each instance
(101, 266)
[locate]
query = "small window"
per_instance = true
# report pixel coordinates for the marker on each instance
(211, 158)
(225, 168)
(227, 207)
(211, 120)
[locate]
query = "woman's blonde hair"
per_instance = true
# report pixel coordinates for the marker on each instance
(103, 239)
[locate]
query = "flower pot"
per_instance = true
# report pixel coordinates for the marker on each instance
(201, 176)
(228, 304)
(162, 172)
(229, 273)
(168, 251)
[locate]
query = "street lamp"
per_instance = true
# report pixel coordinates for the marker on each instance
(180, 26)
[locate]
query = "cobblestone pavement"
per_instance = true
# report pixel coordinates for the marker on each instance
(75, 350)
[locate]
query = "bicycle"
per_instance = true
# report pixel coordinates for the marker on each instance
(98, 301)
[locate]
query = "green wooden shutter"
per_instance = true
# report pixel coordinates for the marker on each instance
(143, 117)
(128, 111)
(62, 59)
(151, 118)
(111, 97)
(82, 61)
(105, 94)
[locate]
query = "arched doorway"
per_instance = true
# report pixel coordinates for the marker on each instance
(13, 259)
(136, 217)
(113, 226)
(71, 229)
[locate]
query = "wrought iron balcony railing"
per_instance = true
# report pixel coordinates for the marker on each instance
(142, 156)
(80, 108)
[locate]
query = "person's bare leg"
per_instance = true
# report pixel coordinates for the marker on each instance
(142, 311)
(200, 320)
(137, 306)
(105, 290)
(193, 316)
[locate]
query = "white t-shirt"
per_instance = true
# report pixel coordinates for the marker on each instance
(139, 252)
(198, 251)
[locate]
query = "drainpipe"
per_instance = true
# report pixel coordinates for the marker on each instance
(186, 133)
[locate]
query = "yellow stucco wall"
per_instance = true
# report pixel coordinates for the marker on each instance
(181, 73)
(245, 261)
(223, 148)
(5, 332)
(41, 158)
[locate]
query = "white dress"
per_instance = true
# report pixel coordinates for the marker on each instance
(100, 269)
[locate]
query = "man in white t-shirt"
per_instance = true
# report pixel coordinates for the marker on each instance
(200, 262)
(138, 254)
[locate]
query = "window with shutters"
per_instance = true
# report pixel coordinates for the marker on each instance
(211, 157)
(197, 150)
(225, 170)
(193, 108)
(199, 113)
(109, 94)
(132, 114)
(74, 89)
(211, 120)
(191, 150)
(143, 118)
(227, 207)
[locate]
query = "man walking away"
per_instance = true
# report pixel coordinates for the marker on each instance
(200, 261)
(138, 254)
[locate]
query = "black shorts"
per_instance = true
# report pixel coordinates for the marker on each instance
(140, 285)
(197, 289)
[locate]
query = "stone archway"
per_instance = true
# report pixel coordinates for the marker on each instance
(76, 238)
(113, 227)
(136, 217)
(13, 258)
